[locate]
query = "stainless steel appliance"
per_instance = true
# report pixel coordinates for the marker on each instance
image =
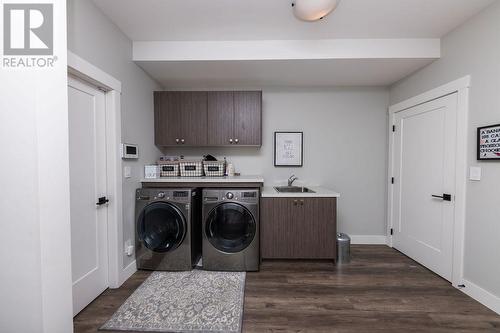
(168, 235)
(231, 229)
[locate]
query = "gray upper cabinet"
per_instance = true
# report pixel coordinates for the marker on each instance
(220, 118)
(180, 118)
(167, 118)
(248, 118)
(194, 118)
(215, 118)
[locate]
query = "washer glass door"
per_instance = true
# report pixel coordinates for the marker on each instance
(161, 227)
(230, 227)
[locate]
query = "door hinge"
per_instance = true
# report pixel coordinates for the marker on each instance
(392, 180)
(392, 231)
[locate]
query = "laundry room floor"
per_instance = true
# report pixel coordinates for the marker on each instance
(381, 290)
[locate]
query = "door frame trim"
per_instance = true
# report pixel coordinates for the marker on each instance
(461, 87)
(111, 87)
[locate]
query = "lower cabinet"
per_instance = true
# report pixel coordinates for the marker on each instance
(298, 228)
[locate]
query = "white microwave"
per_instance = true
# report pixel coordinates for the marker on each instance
(129, 151)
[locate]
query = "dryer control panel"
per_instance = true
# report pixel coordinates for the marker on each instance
(222, 195)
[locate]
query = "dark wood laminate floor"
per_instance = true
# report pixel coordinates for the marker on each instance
(380, 291)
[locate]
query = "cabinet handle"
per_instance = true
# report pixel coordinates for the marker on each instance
(302, 202)
(295, 202)
(182, 140)
(231, 141)
(236, 140)
(177, 140)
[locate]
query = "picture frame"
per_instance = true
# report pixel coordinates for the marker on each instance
(488, 143)
(288, 149)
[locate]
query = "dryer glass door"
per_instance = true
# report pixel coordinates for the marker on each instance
(230, 227)
(161, 227)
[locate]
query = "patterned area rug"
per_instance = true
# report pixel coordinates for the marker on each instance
(195, 301)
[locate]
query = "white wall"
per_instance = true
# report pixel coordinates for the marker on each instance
(345, 148)
(35, 278)
(473, 49)
(92, 36)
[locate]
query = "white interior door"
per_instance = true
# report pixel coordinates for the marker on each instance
(87, 151)
(424, 166)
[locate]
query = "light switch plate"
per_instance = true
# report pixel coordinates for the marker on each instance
(475, 173)
(127, 171)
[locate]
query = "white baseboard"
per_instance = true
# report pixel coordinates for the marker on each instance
(128, 272)
(369, 239)
(482, 296)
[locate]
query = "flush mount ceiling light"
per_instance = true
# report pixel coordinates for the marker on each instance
(313, 10)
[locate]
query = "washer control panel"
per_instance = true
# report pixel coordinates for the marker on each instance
(180, 195)
(250, 195)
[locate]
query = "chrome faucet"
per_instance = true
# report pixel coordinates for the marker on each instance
(292, 179)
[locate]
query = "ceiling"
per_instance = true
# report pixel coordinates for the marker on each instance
(205, 21)
(150, 20)
(265, 73)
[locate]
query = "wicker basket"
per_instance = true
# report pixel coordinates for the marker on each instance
(169, 168)
(191, 168)
(214, 168)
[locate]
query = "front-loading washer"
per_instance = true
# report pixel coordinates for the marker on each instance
(231, 229)
(168, 229)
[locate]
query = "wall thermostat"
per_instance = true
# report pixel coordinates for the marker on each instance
(129, 151)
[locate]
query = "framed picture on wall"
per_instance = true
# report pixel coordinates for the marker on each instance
(488, 143)
(288, 149)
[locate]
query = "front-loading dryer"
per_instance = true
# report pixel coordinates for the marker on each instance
(168, 229)
(231, 229)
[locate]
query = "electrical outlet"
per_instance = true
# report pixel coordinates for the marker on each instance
(129, 248)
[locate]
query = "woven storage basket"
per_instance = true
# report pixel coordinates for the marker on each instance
(169, 168)
(214, 168)
(191, 168)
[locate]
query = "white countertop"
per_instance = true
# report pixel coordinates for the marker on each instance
(204, 179)
(319, 192)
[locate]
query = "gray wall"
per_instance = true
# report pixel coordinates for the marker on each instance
(92, 36)
(473, 49)
(345, 148)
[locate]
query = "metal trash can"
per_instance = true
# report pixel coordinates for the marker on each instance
(343, 248)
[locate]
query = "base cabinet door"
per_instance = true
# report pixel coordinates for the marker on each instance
(298, 228)
(278, 228)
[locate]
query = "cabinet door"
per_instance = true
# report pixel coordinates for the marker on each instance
(220, 118)
(298, 228)
(318, 228)
(281, 233)
(247, 117)
(193, 118)
(277, 223)
(167, 118)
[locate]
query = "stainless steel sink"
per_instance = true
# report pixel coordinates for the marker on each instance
(293, 189)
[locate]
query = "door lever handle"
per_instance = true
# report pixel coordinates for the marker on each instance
(102, 201)
(444, 197)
